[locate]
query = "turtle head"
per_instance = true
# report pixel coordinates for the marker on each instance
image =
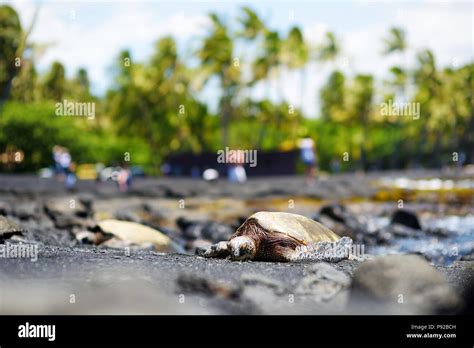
(242, 248)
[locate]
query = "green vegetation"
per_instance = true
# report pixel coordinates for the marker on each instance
(152, 108)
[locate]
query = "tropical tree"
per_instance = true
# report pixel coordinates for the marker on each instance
(54, 85)
(360, 109)
(11, 37)
(25, 84)
(216, 55)
(333, 98)
(329, 49)
(252, 25)
(295, 55)
(396, 41)
(81, 85)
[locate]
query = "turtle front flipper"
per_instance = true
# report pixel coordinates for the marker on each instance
(218, 250)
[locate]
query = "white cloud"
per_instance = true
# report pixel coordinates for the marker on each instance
(445, 28)
(77, 43)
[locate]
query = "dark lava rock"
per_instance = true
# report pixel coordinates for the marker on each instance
(468, 257)
(406, 218)
(152, 212)
(199, 246)
(173, 234)
(9, 228)
(336, 212)
(404, 224)
(216, 232)
(403, 284)
(192, 284)
(87, 202)
(344, 223)
(193, 232)
(387, 233)
(44, 231)
(24, 211)
(438, 232)
(183, 223)
(209, 230)
(5, 208)
(65, 221)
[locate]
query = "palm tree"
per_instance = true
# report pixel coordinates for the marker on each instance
(272, 57)
(216, 55)
(253, 30)
(54, 85)
(146, 101)
(270, 63)
(265, 66)
(10, 43)
(396, 41)
(13, 43)
(330, 49)
(295, 55)
(252, 25)
(361, 107)
(81, 85)
(427, 79)
(333, 98)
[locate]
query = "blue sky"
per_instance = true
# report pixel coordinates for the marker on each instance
(90, 34)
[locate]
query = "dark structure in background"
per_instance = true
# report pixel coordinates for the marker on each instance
(268, 163)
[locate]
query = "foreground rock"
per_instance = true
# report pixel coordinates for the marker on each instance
(9, 229)
(323, 283)
(131, 233)
(404, 284)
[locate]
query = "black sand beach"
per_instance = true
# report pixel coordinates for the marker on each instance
(72, 277)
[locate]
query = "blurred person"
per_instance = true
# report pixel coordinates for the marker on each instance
(99, 167)
(236, 171)
(68, 168)
(308, 156)
(195, 172)
(124, 179)
(335, 165)
(166, 169)
(64, 160)
(460, 162)
(71, 178)
(58, 169)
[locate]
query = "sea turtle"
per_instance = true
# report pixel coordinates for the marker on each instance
(276, 236)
